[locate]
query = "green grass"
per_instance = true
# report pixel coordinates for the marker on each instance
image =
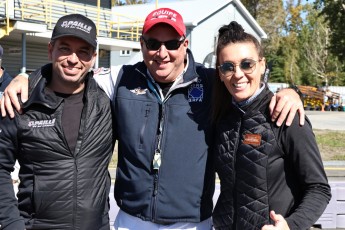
(331, 144)
(330, 138)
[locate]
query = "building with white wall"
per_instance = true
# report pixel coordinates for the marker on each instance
(202, 18)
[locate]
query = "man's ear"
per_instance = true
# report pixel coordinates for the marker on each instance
(94, 56)
(263, 65)
(141, 42)
(186, 42)
(50, 50)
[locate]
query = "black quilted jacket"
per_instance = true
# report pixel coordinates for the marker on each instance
(263, 167)
(59, 189)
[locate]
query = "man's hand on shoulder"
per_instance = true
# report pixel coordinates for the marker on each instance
(284, 105)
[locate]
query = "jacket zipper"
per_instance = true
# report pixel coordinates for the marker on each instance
(158, 153)
(234, 175)
(157, 162)
(75, 191)
(73, 154)
(155, 191)
(78, 148)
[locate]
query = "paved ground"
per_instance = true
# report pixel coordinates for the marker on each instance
(332, 120)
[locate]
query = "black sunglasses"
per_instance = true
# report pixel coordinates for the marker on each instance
(153, 44)
(246, 65)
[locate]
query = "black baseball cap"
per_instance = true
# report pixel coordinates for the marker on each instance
(76, 25)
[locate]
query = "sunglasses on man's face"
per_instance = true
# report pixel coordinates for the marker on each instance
(246, 65)
(153, 44)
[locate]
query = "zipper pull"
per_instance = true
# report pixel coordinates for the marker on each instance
(157, 159)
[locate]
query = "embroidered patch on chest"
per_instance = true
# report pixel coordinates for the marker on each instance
(41, 123)
(252, 139)
(196, 92)
(138, 91)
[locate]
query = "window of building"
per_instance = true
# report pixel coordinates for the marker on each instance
(125, 53)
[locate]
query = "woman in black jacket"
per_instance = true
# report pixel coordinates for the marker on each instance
(263, 169)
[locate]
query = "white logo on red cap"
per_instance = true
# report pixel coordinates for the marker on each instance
(164, 14)
(76, 25)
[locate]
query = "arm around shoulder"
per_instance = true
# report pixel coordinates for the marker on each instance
(106, 79)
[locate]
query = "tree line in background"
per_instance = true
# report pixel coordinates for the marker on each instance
(306, 41)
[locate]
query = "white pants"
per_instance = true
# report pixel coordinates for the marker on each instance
(125, 221)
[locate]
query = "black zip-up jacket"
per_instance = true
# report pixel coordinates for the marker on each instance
(263, 167)
(59, 189)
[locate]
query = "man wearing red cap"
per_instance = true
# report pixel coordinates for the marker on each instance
(165, 177)
(168, 16)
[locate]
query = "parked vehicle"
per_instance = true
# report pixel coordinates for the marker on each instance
(318, 99)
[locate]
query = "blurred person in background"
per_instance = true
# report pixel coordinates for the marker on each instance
(5, 78)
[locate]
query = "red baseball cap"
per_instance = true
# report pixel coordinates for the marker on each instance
(165, 15)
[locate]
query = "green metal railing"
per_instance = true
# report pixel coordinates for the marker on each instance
(109, 24)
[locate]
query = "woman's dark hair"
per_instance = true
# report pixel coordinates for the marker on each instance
(227, 34)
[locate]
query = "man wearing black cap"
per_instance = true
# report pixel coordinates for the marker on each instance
(62, 140)
(5, 78)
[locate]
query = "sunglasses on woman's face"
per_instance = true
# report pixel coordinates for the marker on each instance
(153, 44)
(246, 65)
